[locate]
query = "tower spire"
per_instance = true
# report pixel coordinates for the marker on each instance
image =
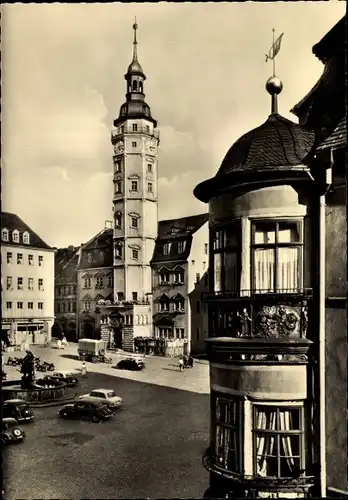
(135, 43)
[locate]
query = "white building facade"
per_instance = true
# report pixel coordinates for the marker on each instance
(27, 284)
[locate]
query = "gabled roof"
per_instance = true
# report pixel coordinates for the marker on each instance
(174, 229)
(66, 262)
(100, 248)
(12, 222)
(338, 138)
(332, 42)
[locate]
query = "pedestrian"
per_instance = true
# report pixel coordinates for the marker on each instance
(181, 364)
(64, 341)
(84, 369)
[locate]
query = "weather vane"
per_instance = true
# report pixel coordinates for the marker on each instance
(274, 50)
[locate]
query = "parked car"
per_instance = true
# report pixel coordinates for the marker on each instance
(131, 364)
(86, 410)
(103, 396)
(17, 409)
(64, 376)
(11, 432)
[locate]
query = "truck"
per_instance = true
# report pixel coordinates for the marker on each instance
(93, 350)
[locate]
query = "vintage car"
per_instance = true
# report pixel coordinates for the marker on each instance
(63, 376)
(103, 396)
(86, 410)
(11, 432)
(17, 409)
(131, 364)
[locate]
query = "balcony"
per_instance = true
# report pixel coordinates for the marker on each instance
(259, 314)
(116, 134)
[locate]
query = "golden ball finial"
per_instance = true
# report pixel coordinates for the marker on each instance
(274, 85)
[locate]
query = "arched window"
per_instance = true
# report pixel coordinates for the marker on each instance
(26, 238)
(137, 319)
(15, 236)
(135, 85)
(4, 235)
(142, 322)
(146, 320)
(140, 86)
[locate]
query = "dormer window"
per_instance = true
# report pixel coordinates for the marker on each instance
(166, 248)
(4, 235)
(26, 239)
(181, 246)
(15, 236)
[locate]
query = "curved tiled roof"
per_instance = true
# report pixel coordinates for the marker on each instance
(278, 142)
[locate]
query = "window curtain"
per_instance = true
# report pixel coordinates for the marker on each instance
(264, 263)
(267, 450)
(288, 269)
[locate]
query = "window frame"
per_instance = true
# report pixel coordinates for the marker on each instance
(278, 433)
(15, 236)
(26, 238)
(134, 144)
(40, 305)
(238, 428)
(276, 245)
(150, 187)
(134, 186)
(19, 304)
(222, 250)
(9, 257)
(19, 259)
(5, 235)
(166, 248)
(20, 285)
(134, 223)
(135, 254)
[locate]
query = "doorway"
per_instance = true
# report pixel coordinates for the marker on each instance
(118, 336)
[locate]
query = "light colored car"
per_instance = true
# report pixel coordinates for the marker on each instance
(64, 376)
(105, 396)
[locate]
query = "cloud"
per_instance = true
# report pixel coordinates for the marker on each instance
(63, 71)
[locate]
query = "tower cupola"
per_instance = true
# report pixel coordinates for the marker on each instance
(135, 105)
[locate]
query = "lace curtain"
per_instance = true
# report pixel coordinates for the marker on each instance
(277, 454)
(287, 269)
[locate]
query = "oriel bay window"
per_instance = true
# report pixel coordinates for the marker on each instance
(276, 256)
(226, 251)
(228, 451)
(278, 441)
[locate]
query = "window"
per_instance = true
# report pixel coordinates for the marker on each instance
(149, 167)
(15, 236)
(149, 187)
(19, 305)
(86, 306)
(9, 257)
(147, 128)
(134, 144)
(179, 304)
(198, 306)
(40, 305)
(40, 284)
(181, 246)
(206, 248)
(118, 251)
(278, 440)
(87, 283)
(9, 283)
(31, 260)
(134, 295)
(74, 307)
(134, 222)
(40, 259)
(118, 167)
(164, 277)
(118, 220)
(276, 256)
(100, 282)
(180, 333)
(118, 187)
(62, 305)
(135, 127)
(166, 248)
(8, 305)
(30, 283)
(110, 281)
(101, 256)
(30, 305)
(179, 277)
(26, 238)
(122, 129)
(227, 436)
(163, 304)
(165, 333)
(4, 235)
(135, 254)
(19, 258)
(226, 258)
(198, 277)
(20, 283)
(135, 86)
(89, 258)
(134, 186)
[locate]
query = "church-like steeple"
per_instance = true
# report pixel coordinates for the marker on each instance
(135, 105)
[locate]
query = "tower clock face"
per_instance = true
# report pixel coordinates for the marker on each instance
(119, 147)
(151, 146)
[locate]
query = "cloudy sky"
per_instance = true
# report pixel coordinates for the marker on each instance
(63, 84)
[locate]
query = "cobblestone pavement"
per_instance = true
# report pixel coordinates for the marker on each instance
(159, 370)
(151, 448)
